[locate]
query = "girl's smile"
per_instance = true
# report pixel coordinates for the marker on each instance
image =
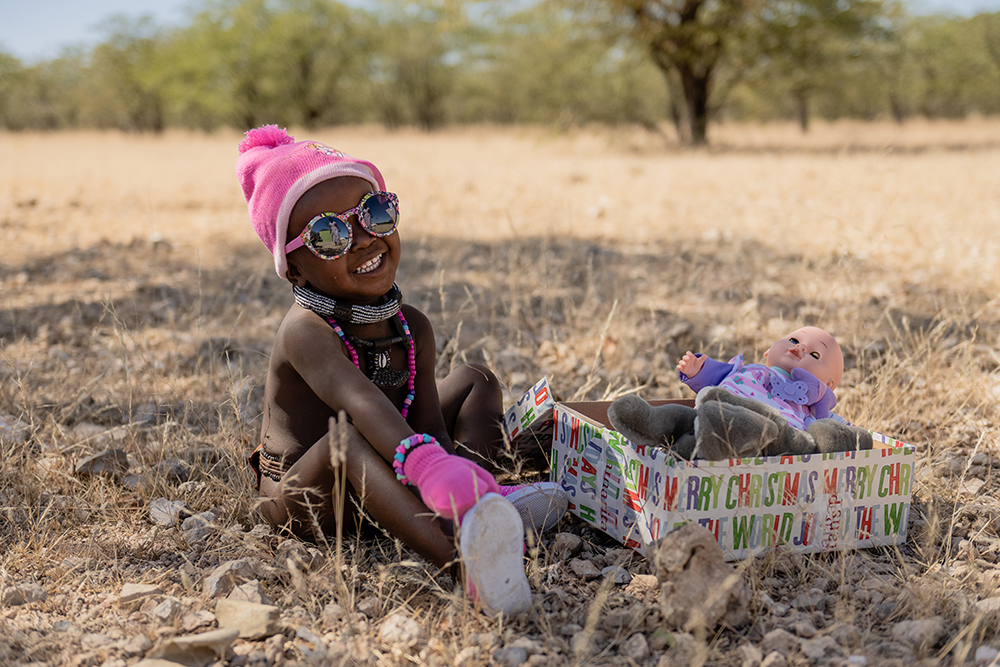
(366, 271)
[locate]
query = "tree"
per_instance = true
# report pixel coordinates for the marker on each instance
(687, 40)
(807, 42)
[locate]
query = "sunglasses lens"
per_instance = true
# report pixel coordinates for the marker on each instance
(381, 214)
(329, 237)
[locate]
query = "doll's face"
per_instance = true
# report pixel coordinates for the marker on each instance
(811, 349)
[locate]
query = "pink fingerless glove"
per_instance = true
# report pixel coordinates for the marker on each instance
(449, 485)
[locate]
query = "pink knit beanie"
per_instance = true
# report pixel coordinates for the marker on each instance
(275, 171)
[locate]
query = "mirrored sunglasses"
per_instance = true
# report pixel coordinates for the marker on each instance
(329, 235)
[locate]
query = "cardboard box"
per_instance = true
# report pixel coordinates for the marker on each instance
(811, 503)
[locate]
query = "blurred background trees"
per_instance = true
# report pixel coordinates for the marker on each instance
(429, 63)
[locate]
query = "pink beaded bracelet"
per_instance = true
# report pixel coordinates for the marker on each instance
(405, 445)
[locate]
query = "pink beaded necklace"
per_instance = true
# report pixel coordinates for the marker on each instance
(410, 352)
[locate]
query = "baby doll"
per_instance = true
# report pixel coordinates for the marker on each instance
(781, 407)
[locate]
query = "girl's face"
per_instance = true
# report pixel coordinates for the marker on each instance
(368, 269)
(811, 349)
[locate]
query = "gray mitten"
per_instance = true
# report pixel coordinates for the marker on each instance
(669, 426)
(834, 436)
(731, 426)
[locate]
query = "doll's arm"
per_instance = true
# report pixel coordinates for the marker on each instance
(819, 397)
(710, 372)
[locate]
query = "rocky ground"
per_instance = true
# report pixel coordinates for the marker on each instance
(131, 392)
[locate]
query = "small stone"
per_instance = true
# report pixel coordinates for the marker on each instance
(583, 644)
(136, 645)
(619, 575)
(686, 650)
(987, 655)
(566, 544)
(812, 600)
(23, 593)
(333, 612)
(924, 633)
(196, 650)
(774, 659)
(163, 512)
(197, 619)
(313, 648)
(167, 611)
(95, 640)
(198, 527)
(780, 641)
(370, 607)
(250, 591)
(13, 430)
(172, 470)
(112, 462)
(227, 576)
(661, 639)
(804, 629)
(510, 656)
(642, 584)
(304, 558)
(820, 649)
(636, 647)
(132, 596)
(529, 645)
(584, 569)
(253, 621)
(988, 606)
(752, 655)
(468, 656)
(401, 629)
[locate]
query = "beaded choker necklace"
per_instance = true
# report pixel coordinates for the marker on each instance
(320, 303)
(378, 360)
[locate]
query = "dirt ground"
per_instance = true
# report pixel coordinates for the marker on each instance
(138, 310)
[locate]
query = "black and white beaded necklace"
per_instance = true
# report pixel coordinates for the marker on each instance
(322, 304)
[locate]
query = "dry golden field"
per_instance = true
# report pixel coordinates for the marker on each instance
(138, 307)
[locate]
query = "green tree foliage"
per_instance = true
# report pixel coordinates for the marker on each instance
(427, 63)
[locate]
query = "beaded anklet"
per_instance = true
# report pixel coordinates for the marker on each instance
(405, 446)
(410, 353)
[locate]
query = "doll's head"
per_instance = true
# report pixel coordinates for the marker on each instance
(811, 349)
(275, 171)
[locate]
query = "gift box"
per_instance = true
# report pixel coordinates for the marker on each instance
(809, 503)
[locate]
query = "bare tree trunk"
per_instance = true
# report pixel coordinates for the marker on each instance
(802, 109)
(696, 95)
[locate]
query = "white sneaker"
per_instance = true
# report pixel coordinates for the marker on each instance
(491, 545)
(540, 505)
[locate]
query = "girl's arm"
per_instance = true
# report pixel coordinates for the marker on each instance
(321, 361)
(425, 414)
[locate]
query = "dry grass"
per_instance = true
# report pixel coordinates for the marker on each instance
(138, 309)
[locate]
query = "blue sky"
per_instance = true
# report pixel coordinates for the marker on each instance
(34, 30)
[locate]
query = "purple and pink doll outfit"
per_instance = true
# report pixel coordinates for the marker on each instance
(799, 396)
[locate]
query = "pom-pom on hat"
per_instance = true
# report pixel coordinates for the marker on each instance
(275, 171)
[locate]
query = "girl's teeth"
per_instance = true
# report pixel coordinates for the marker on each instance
(369, 266)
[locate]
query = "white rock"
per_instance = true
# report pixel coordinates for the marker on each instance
(924, 632)
(132, 596)
(619, 575)
(229, 575)
(167, 611)
(165, 512)
(510, 656)
(584, 569)
(311, 645)
(196, 650)
(401, 629)
(252, 620)
(636, 647)
(986, 655)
